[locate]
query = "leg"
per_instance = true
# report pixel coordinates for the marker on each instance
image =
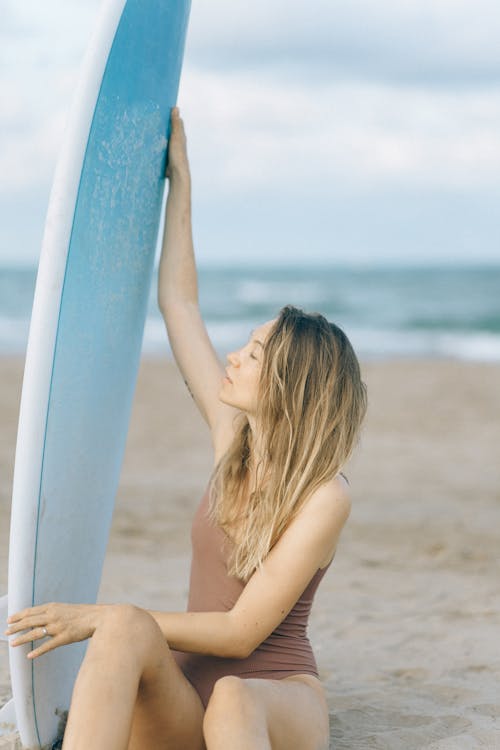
(257, 714)
(129, 693)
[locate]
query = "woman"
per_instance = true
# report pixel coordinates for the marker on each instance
(236, 670)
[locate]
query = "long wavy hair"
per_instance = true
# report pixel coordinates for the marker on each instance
(311, 404)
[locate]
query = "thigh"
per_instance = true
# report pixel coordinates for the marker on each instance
(295, 710)
(168, 712)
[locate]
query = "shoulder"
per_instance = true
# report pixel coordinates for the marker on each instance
(320, 520)
(324, 515)
(331, 500)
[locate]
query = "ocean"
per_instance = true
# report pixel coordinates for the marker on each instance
(387, 312)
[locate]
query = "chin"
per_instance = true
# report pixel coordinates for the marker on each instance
(223, 397)
(226, 400)
(229, 401)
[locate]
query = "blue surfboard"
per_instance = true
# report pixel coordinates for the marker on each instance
(85, 337)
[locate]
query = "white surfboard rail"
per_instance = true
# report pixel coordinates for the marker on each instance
(50, 280)
(85, 337)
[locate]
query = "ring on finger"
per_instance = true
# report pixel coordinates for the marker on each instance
(45, 632)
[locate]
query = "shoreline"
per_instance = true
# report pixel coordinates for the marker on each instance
(405, 623)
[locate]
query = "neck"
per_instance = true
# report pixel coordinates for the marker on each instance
(258, 452)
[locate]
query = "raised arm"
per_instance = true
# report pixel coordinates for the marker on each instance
(178, 292)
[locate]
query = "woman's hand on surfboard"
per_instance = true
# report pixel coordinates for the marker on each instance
(58, 624)
(177, 159)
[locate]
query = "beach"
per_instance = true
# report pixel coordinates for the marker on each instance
(406, 622)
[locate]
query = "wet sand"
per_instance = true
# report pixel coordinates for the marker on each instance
(406, 623)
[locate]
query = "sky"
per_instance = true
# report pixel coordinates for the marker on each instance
(360, 132)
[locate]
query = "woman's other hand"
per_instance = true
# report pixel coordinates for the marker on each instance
(59, 624)
(177, 159)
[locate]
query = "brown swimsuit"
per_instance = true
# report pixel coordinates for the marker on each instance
(285, 652)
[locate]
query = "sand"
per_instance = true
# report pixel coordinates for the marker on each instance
(406, 623)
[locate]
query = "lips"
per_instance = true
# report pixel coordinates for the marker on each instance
(227, 377)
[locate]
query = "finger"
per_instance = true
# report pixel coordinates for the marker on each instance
(32, 635)
(177, 124)
(28, 622)
(21, 625)
(41, 608)
(49, 645)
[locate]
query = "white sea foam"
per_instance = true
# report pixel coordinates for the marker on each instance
(484, 347)
(369, 343)
(464, 345)
(386, 313)
(262, 291)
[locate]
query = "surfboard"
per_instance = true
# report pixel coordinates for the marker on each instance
(85, 336)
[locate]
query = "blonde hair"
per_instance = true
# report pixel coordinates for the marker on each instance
(312, 402)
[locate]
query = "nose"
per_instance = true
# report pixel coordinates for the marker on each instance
(233, 359)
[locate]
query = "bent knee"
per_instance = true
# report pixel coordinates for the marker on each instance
(231, 688)
(232, 698)
(132, 623)
(234, 712)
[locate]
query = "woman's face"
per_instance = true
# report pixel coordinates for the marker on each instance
(241, 383)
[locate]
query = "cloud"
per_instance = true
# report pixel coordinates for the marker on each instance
(248, 131)
(35, 36)
(33, 114)
(439, 42)
(41, 45)
(267, 117)
(292, 99)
